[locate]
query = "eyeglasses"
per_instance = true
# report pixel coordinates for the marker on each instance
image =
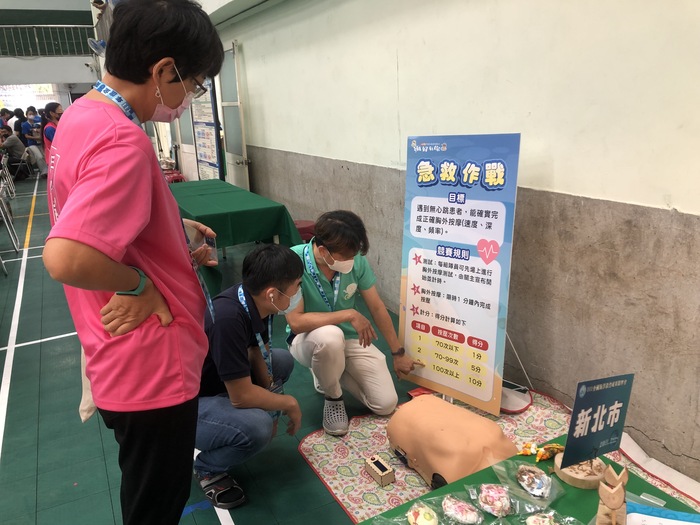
(200, 89)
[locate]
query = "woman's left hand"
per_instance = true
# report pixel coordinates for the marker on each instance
(202, 256)
(123, 313)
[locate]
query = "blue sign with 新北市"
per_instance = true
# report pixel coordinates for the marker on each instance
(458, 236)
(597, 419)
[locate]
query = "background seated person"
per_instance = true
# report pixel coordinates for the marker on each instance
(241, 391)
(5, 116)
(20, 120)
(14, 149)
(334, 339)
(36, 159)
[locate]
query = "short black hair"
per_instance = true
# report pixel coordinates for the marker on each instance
(341, 231)
(145, 31)
(5, 111)
(6, 128)
(31, 109)
(270, 265)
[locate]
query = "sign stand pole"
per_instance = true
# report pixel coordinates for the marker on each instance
(515, 398)
(519, 361)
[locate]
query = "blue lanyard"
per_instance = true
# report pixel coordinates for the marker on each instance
(267, 356)
(114, 96)
(317, 281)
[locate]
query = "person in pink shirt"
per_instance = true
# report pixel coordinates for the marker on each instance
(118, 245)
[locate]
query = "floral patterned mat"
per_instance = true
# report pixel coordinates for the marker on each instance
(339, 462)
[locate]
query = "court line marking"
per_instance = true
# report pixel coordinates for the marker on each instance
(25, 216)
(12, 339)
(30, 248)
(19, 259)
(26, 195)
(39, 341)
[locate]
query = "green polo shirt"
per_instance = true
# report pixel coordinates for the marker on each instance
(360, 278)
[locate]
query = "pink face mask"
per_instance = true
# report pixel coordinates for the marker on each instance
(165, 113)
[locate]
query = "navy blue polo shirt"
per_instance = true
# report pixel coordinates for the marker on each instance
(229, 339)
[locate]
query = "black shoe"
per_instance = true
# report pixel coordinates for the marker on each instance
(222, 490)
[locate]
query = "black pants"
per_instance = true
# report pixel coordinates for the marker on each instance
(156, 449)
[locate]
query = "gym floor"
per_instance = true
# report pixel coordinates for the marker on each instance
(55, 470)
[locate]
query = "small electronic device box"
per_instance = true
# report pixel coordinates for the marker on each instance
(380, 471)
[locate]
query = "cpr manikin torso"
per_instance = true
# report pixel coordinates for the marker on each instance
(441, 440)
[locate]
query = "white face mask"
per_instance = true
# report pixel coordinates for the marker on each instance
(165, 113)
(339, 266)
(294, 301)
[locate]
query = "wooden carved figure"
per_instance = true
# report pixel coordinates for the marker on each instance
(612, 509)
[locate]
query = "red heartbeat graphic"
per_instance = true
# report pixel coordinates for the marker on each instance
(488, 250)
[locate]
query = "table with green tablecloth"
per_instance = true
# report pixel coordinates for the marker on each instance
(577, 503)
(236, 215)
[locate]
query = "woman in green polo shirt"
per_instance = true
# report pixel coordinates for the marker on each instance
(332, 338)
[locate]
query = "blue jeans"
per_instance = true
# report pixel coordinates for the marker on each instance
(226, 435)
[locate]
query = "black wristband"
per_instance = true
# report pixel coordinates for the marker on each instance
(401, 351)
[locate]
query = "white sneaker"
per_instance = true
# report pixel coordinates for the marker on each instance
(335, 419)
(317, 385)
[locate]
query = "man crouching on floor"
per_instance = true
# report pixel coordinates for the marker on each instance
(241, 394)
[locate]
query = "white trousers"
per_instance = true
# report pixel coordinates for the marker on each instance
(36, 157)
(343, 364)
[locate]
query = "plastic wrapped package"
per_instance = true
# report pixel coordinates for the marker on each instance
(456, 509)
(529, 483)
(500, 500)
(421, 513)
(543, 517)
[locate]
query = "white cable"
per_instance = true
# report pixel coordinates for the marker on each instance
(519, 361)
